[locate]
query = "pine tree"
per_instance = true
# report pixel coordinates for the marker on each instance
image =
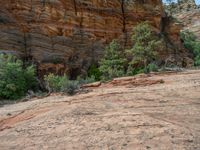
(112, 64)
(145, 45)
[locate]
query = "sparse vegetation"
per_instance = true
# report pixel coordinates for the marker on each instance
(70, 87)
(55, 83)
(152, 67)
(87, 80)
(191, 43)
(15, 80)
(133, 71)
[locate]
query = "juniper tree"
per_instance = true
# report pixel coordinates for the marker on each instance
(112, 64)
(145, 45)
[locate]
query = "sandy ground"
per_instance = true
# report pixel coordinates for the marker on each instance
(122, 115)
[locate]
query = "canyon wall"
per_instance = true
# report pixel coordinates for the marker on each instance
(67, 36)
(188, 13)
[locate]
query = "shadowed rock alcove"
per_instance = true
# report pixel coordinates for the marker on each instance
(74, 73)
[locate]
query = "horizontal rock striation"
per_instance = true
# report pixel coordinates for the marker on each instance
(67, 36)
(191, 21)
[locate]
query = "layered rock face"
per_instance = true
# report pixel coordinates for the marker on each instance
(67, 36)
(191, 21)
(189, 15)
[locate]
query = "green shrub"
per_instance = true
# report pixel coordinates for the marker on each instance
(133, 71)
(189, 40)
(197, 60)
(196, 52)
(152, 68)
(94, 72)
(138, 70)
(54, 83)
(87, 80)
(70, 87)
(112, 64)
(191, 43)
(90, 79)
(30, 78)
(15, 81)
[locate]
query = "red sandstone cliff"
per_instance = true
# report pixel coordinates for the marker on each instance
(69, 35)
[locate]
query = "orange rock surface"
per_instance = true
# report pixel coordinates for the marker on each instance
(73, 33)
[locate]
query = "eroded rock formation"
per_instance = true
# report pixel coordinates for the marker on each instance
(67, 36)
(191, 21)
(189, 15)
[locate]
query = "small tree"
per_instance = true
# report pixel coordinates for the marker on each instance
(112, 64)
(191, 43)
(15, 81)
(145, 46)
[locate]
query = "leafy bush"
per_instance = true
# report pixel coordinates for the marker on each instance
(30, 78)
(189, 40)
(152, 68)
(112, 64)
(86, 80)
(15, 81)
(57, 83)
(90, 79)
(133, 71)
(196, 52)
(70, 87)
(54, 83)
(191, 43)
(94, 72)
(197, 60)
(138, 70)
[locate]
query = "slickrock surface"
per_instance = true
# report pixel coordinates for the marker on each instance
(160, 113)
